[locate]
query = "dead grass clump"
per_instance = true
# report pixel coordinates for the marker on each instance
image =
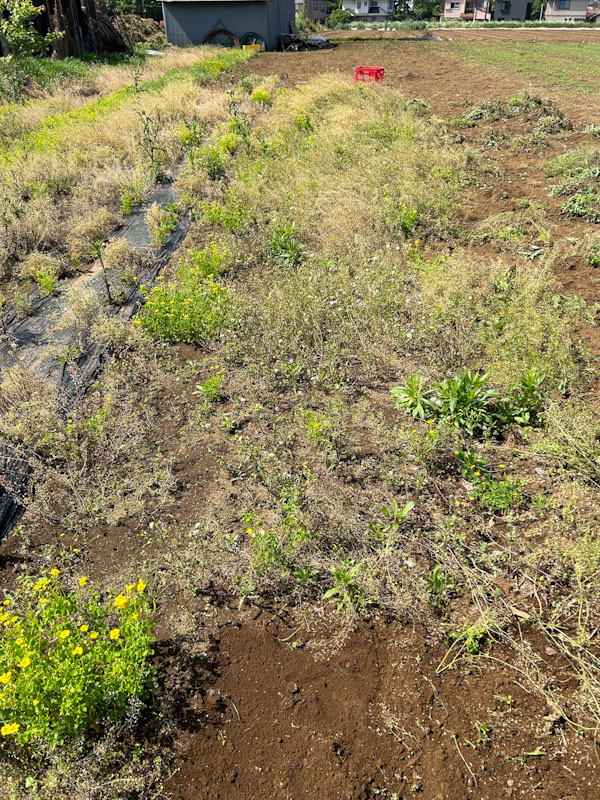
(92, 228)
(84, 309)
(571, 439)
(38, 262)
(127, 262)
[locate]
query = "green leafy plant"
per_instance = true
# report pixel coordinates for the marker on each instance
(130, 196)
(260, 96)
(303, 122)
(499, 496)
(193, 308)
(439, 587)
(232, 216)
(471, 464)
(193, 134)
(285, 245)
(465, 401)
(527, 399)
(210, 390)
(211, 159)
(71, 661)
(347, 593)
(162, 222)
(412, 397)
(45, 277)
(153, 152)
(98, 252)
(207, 263)
(594, 255)
(583, 205)
(16, 29)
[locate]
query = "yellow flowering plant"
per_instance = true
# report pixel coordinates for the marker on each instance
(71, 664)
(193, 308)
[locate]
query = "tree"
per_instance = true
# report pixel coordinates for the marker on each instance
(426, 9)
(338, 17)
(17, 30)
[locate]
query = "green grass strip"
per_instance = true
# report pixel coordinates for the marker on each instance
(45, 137)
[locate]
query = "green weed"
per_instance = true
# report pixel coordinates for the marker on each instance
(193, 308)
(70, 662)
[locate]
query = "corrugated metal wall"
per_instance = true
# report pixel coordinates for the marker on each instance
(188, 22)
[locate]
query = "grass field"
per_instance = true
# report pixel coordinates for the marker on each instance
(564, 65)
(324, 523)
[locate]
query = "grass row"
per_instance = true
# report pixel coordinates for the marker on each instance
(66, 185)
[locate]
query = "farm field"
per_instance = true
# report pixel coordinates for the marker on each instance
(300, 399)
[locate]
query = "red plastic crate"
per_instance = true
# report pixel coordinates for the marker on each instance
(364, 74)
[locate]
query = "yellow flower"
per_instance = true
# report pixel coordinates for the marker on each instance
(115, 633)
(54, 572)
(135, 616)
(129, 587)
(84, 628)
(77, 651)
(477, 474)
(82, 581)
(250, 531)
(141, 585)
(43, 600)
(64, 634)
(36, 702)
(6, 603)
(24, 662)
(501, 466)
(20, 641)
(120, 601)
(471, 498)
(5, 677)
(3, 617)
(456, 503)
(9, 728)
(94, 635)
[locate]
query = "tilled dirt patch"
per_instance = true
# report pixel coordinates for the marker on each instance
(286, 714)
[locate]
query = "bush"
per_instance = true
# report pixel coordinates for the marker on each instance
(339, 17)
(192, 309)
(260, 96)
(70, 662)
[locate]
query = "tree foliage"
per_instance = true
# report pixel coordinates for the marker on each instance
(338, 17)
(18, 32)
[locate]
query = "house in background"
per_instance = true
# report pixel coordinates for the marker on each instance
(512, 10)
(468, 10)
(566, 10)
(314, 10)
(369, 10)
(228, 22)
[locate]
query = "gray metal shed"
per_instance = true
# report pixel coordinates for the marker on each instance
(192, 21)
